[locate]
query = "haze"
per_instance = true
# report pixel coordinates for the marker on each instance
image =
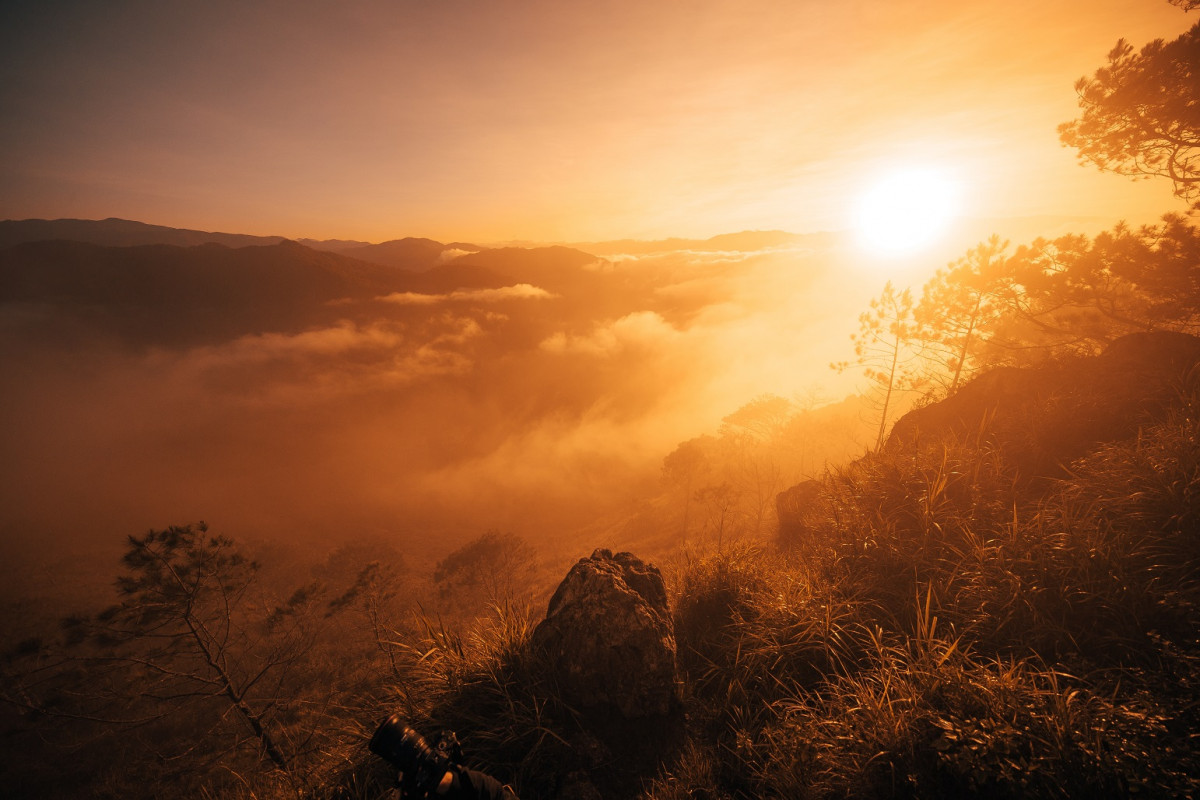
(540, 403)
(547, 121)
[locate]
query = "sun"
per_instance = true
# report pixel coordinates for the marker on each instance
(905, 210)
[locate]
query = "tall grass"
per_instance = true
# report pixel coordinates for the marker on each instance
(490, 687)
(903, 711)
(747, 617)
(941, 626)
(931, 720)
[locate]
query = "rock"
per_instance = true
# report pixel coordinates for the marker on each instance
(609, 639)
(793, 507)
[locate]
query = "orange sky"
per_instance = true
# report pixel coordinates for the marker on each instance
(548, 120)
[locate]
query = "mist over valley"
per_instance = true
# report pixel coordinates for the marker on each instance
(417, 392)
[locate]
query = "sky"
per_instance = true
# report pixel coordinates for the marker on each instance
(548, 120)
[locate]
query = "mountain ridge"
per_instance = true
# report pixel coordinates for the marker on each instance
(116, 232)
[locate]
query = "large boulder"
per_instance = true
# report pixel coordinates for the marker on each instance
(609, 639)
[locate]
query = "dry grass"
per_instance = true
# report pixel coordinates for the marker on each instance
(940, 627)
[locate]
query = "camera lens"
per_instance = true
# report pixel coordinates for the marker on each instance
(397, 743)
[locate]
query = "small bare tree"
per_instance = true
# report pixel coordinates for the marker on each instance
(190, 638)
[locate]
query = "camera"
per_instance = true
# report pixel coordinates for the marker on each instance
(421, 767)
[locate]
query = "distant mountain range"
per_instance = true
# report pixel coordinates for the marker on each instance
(154, 285)
(160, 294)
(411, 253)
(169, 275)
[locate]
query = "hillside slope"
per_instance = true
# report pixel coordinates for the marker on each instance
(933, 623)
(1044, 418)
(936, 622)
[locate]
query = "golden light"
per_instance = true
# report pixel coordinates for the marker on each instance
(906, 210)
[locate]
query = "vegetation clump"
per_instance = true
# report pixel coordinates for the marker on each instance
(938, 626)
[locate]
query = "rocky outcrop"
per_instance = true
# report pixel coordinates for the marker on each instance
(1045, 417)
(1040, 419)
(609, 639)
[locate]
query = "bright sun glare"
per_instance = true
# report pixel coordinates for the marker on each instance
(906, 210)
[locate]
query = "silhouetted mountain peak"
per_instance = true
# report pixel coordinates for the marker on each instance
(556, 267)
(115, 232)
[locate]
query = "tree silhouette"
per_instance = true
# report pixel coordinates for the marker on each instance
(681, 468)
(190, 639)
(762, 419)
(488, 569)
(182, 598)
(1141, 113)
(719, 503)
(1079, 294)
(885, 347)
(1160, 262)
(373, 594)
(1070, 295)
(957, 309)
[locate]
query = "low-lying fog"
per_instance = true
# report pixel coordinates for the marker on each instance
(543, 407)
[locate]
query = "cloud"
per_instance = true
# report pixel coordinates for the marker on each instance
(521, 291)
(451, 253)
(338, 340)
(641, 329)
(426, 427)
(700, 257)
(317, 365)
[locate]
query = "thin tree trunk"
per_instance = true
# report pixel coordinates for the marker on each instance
(253, 719)
(887, 397)
(962, 353)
